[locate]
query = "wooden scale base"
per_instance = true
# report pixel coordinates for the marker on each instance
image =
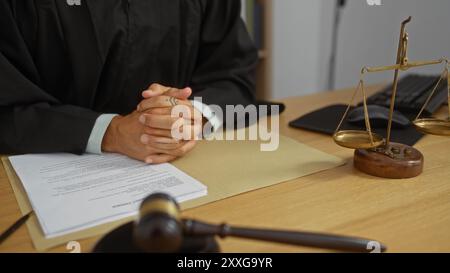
(395, 161)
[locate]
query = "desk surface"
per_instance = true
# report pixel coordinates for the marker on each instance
(407, 215)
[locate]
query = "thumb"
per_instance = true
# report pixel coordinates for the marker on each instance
(181, 94)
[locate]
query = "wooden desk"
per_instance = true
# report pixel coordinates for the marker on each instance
(409, 215)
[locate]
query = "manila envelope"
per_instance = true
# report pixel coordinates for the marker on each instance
(227, 168)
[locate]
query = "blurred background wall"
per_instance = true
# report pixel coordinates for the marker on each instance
(368, 35)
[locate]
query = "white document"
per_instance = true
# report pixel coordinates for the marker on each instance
(70, 192)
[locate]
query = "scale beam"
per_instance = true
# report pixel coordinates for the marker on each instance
(377, 156)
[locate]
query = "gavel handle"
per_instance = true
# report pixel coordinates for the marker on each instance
(309, 239)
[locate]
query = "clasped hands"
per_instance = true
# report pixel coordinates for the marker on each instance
(154, 132)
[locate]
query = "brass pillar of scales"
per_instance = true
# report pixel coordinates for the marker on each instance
(380, 157)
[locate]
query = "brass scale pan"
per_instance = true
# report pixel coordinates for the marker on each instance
(355, 139)
(433, 126)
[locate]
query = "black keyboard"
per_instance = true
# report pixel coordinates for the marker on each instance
(412, 92)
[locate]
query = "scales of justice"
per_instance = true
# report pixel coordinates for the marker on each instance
(380, 157)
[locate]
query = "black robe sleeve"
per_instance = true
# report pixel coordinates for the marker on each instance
(31, 120)
(227, 58)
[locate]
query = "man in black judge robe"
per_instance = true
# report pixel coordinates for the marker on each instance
(102, 75)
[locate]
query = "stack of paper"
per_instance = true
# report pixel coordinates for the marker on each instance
(70, 193)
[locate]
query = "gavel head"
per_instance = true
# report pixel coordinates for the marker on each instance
(158, 227)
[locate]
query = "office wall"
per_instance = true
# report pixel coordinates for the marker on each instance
(296, 54)
(368, 36)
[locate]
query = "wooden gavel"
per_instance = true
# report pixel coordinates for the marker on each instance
(160, 228)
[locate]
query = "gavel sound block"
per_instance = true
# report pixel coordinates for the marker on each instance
(160, 229)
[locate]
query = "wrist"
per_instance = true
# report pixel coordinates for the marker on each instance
(109, 142)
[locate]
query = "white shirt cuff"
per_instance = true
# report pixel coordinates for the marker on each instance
(206, 111)
(94, 145)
